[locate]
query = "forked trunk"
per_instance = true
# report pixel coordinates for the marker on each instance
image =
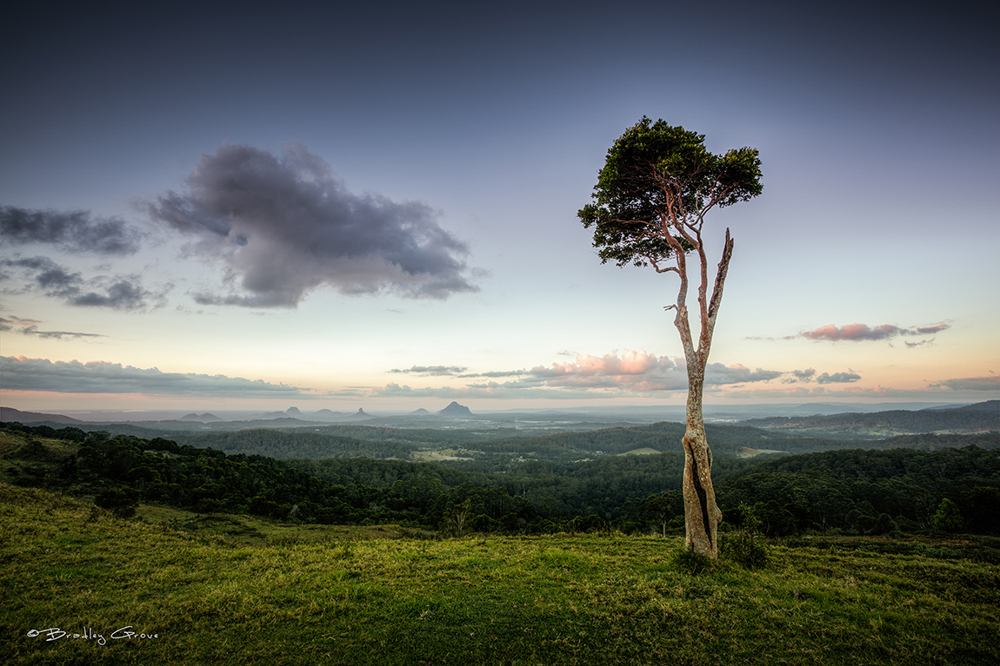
(701, 514)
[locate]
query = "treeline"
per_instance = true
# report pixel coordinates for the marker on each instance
(560, 491)
(494, 450)
(299, 444)
(852, 491)
(869, 491)
(120, 471)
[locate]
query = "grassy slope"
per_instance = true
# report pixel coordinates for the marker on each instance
(553, 600)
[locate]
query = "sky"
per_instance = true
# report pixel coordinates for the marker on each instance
(259, 205)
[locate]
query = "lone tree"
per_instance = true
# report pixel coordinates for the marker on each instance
(649, 207)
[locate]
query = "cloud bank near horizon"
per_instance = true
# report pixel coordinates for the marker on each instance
(634, 372)
(39, 374)
(285, 225)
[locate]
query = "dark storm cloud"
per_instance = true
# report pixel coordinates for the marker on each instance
(118, 293)
(39, 374)
(74, 231)
(285, 225)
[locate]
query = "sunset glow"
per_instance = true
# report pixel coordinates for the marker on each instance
(387, 221)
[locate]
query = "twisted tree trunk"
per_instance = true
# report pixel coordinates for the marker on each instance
(701, 513)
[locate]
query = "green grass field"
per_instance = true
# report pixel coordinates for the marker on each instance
(232, 590)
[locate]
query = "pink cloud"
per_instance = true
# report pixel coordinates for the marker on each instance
(858, 332)
(631, 363)
(630, 372)
(638, 371)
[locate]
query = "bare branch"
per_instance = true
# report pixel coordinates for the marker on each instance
(720, 278)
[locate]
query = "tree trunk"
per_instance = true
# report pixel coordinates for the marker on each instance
(702, 514)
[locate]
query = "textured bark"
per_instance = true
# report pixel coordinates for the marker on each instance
(701, 513)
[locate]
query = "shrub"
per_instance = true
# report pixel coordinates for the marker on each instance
(691, 562)
(948, 518)
(119, 501)
(745, 546)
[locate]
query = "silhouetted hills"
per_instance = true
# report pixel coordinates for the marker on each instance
(980, 417)
(201, 418)
(987, 406)
(9, 415)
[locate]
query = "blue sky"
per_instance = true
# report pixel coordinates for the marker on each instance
(406, 180)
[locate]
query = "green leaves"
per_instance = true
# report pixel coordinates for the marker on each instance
(656, 185)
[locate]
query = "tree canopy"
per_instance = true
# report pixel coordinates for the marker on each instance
(656, 186)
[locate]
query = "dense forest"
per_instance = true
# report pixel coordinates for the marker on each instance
(491, 453)
(847, 490)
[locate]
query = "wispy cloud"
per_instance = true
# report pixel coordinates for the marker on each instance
(39, 374)
(838, 378)
(862, 332)
(495, 374)
(809, 375)
(431, 370)
(73, 232)
(30, 327)
(988, 383)
(119, 292)
(285, 225)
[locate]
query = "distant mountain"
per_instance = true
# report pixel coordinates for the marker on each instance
(327, 415)
(987, 406)
(980, 417)
(272, 415)
(293, 412)
(455, 410)
(420, 412)
(201, 418)
(10, 415)
(362, 414)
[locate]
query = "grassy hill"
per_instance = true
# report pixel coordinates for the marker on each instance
(353, 599)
